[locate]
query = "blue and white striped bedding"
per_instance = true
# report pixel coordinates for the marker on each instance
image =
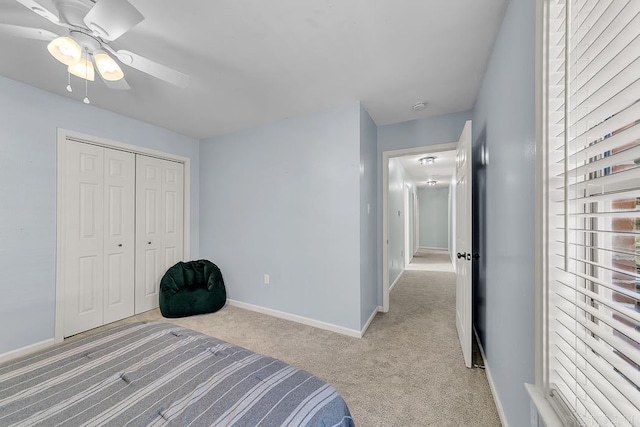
(157, 374)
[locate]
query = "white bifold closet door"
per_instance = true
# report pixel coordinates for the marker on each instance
(99, 236)
(159, 225)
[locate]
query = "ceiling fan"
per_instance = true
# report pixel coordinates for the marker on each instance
(90, 26)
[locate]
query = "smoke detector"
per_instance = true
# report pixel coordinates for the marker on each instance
(419, 106)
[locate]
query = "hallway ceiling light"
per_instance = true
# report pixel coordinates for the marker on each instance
(427, 160)
(431, 183)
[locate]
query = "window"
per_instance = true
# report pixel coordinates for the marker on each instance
(591, 105)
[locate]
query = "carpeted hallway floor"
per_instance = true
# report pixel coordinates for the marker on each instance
(431, 260)
(406, 371)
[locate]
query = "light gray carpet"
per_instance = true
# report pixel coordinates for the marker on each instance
(406, 371)
(431, 260)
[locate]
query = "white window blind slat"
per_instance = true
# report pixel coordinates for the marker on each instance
(604, 71)
(627, 116)
(616, 214)
(623, 136)
(606, 55)
(624, 180)
(616, 307)
(599, 34)
(592, 397)
(611, 357)
(630, 154)
(630, 276)
(583, 328)
(610, 107)
(608, 248)
(619, 392)
(589, 13)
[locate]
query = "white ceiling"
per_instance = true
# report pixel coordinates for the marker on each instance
(442, 170)
(255, 61)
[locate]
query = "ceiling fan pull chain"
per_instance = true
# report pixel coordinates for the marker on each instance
(69, 88)
(86, 76)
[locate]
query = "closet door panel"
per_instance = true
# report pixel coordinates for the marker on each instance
(119, 237)
(173, 213)
(83, 249)
(148, 232)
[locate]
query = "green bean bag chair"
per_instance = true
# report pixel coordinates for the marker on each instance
(189, 288)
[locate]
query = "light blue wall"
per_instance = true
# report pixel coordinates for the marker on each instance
(29, 118)
(415, 133)
(368, 220)
(504, 114)
(284, 199)
(434, 217)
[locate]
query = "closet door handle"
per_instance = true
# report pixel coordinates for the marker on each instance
(120, 245)
(148, 243)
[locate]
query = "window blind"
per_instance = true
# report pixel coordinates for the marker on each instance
(593, 189)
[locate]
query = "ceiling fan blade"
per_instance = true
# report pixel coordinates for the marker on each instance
(44, 8)
(27, 32)
(117, 85)
(154, 69)
(110, 19)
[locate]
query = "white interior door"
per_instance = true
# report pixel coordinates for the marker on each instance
(172, 213)
(159, 224)
(148, 232)
(84, 219)
(463, 244)
(119, 196)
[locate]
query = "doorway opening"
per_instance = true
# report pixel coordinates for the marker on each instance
(405, 175)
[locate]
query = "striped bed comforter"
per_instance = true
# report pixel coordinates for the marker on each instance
(157, 374)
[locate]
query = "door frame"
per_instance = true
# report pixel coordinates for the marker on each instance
(386, 156)
(62, 136)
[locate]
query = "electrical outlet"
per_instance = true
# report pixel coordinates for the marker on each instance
(266, 279)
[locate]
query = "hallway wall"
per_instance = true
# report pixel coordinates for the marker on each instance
(504, 120)
(398, 178)
(434, 217)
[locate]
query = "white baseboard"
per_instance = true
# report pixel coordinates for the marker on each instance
(396, 281)
(19, 352)
(295, 318)
(434, 248)
(492, 387)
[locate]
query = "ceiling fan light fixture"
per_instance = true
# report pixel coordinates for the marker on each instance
(107, 66)
(83, 69)
(66, 50)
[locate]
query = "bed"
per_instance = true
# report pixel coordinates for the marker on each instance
(159, 374)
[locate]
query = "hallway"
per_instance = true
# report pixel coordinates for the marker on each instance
(431, 260)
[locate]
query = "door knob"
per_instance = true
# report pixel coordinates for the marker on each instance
(462, 255)
(148, 243)
(120, 245)
(469, 257)
(476, 256)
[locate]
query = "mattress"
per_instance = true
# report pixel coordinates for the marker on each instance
(158, 374)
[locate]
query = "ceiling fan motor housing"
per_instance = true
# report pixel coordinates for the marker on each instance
(87, 41)
(72, 12)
